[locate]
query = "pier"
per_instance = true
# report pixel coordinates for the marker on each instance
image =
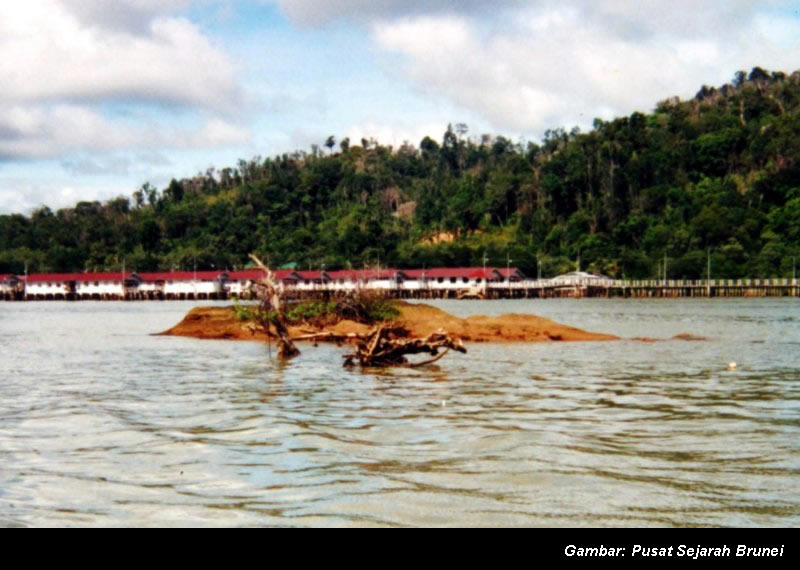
(547, 289)
(654, 288)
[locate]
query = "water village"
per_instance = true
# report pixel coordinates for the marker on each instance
(433, 283)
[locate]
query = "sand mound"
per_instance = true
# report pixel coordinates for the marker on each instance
(420, 320)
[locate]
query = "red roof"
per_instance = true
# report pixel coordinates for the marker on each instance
(445, 272)
(312, 275)
(181, 276)
(364, 274)
(256, 274)
(245, 275)
(345, 274)
(61, 277)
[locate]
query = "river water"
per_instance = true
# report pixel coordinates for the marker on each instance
(102, 424)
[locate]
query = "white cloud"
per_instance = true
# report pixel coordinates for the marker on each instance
(83, 75)
(413, 35)
(553, 64)
(50, 54)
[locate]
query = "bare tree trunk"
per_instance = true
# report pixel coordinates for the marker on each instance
(270, 292)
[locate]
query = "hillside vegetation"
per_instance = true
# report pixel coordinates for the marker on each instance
(717, 175)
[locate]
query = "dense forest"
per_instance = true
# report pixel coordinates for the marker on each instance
(716, 177)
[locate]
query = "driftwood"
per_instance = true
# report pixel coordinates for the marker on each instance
(270, 293)
(388, 346)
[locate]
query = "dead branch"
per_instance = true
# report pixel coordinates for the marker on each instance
(270, 292)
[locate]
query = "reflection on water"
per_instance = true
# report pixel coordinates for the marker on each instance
(102, 424)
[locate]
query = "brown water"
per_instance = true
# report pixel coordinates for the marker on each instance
(103, 425)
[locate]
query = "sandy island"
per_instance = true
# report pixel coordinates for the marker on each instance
(419, 320)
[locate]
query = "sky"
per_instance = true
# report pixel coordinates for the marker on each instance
(98, 97)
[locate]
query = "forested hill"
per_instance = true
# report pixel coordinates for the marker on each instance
(719, 173)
